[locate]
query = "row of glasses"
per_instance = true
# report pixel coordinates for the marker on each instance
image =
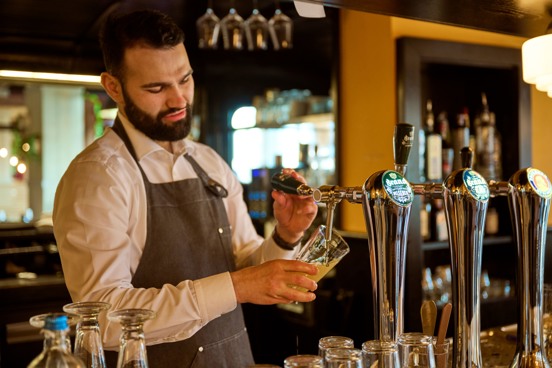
(256, 29)
(88, 343)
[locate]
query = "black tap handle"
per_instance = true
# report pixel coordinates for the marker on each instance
(466, 155)
(402, 143)
(288, 184)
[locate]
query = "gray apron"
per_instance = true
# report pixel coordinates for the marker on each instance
(188, 238)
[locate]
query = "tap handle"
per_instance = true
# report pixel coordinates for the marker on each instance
(466, 155)
(402, 143)
(288, 184)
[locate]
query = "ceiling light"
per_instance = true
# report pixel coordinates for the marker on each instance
(536, 56)
(52, 77)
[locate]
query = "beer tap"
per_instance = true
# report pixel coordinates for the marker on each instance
(387, 203)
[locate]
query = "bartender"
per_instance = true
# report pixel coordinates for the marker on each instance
(145, 218)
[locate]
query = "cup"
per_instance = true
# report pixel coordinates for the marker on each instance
(324, 254)
(343, 358)
(381, 354)
(329, 342)
(416, 350)
(441, 352)
(304, 361)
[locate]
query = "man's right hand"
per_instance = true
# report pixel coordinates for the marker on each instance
(275, 282)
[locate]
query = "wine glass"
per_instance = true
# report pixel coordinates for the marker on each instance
(208, 27)
(88, 341)
(132, 344)
(280, 27)
(256, 30)
(232, 29)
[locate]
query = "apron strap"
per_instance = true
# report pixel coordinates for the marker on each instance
(212, 185)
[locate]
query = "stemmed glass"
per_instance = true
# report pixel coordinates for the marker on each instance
(132, 344)
(280, 27)
(256, 30)
(88, 341)
(232, 29)
(208, 27)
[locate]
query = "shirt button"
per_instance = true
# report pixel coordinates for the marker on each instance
(220, 230)
(200, 349)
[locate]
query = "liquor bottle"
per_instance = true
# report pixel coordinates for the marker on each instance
(425, 219)
(447, 155)
(57, 352)
(460, 136)
(487, 143)
(433, 150)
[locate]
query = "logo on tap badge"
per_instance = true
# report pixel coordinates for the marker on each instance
(397, 188)
(540, 182)
(477, 185)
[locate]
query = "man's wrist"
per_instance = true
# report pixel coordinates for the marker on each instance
(282, 243)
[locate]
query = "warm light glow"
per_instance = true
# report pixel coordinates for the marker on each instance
(21, 168)
(3, 152)
(244, 117)
(54, 77)
(14, 161)
(26, 147)
(536, 56)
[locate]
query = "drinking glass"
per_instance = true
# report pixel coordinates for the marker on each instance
(232, 30)
(329, 342)
(132, 347)
(380, 354)
(441, 352)
(322, 253)
(39, 321)
(343, 358)
(304, 361)
(208, 27)
(547, 319)
(88, 341)
(280, 27)
(416, 350)
(256, 30)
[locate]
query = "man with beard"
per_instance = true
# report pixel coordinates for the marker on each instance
(145, 218)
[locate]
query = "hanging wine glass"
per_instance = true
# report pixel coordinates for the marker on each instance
(232, 29)
(280, 27)
(208, 27)
(132, 344)
(256, 30)
(88, 341)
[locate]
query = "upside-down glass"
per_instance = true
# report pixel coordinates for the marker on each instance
(329, 342)
(416, 350)
(256, 30)
(208, 27)
(343, 358)
(132, 344)
(280, 27)
(88, 340)
(304, 361)
(322, 253)
(380, 354)
(232, 27)
(39, 321)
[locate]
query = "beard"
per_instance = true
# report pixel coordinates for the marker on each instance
(153, 127)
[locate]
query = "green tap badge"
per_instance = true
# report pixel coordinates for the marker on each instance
(397, 188)
(477, 185)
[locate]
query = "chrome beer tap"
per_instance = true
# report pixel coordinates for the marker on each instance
(386, 203)
(529, 201)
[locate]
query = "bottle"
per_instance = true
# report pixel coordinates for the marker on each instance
(434, 168)
(57, 352)
(487, 143)
(460, 137)
(447, 154)
(425, 222)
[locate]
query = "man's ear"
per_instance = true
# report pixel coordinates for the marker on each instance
(113, 87)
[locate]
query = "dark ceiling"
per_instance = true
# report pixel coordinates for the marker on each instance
(61, 35)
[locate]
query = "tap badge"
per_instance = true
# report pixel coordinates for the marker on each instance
(540, 182)
(397, 188)
(477, 185)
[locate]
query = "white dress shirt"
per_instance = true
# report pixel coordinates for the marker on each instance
(100, 216)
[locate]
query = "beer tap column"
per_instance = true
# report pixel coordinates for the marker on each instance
(386, 204)
(466, 195)
(529, 202)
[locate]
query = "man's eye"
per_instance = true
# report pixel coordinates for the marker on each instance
(154, 89)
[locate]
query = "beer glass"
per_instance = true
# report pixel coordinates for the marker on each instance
(343, 358)
(304, 361)
(329, 342)
(416, 350)
(380, 354)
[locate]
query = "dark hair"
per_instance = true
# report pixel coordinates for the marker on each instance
(122, 31)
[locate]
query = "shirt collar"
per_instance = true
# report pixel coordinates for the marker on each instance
(143, 145)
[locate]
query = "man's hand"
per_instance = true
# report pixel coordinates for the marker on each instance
(294, 213)
(275, 282)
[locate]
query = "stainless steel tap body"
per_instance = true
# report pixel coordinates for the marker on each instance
(529, 201)
(466, 196)
(387, 203)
